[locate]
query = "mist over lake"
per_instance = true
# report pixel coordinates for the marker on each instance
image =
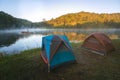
(14, 40)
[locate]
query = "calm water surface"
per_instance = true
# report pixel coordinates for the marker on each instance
(15, 41)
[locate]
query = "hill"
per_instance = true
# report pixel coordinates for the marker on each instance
(8, 21)
(87, 20)
(71, 20)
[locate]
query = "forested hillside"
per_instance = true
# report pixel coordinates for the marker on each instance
(72, 20)
(8, 21)
(86, 19)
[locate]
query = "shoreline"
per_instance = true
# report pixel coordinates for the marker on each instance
(29, 65)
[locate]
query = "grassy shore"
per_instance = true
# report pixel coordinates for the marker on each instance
(29, 66)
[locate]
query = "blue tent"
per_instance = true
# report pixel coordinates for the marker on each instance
(56, 50)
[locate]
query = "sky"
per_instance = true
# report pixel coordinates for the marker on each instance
(37, 10)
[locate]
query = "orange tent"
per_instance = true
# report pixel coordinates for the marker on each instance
(98, 43)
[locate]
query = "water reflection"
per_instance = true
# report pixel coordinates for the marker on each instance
(33, 41)
(14, 41)
(78, 37)
(6, 38)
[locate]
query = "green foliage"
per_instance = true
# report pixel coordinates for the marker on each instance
(41, 24)
(8, 21)
(72, 20)
(84, 19)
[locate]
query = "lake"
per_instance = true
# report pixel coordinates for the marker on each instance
(16, 40)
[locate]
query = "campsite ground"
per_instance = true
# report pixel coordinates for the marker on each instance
(29, 66)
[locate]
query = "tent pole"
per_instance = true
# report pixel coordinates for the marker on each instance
(48, 67)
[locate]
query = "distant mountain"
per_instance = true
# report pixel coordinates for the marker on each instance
(8, 21)
(87, 20)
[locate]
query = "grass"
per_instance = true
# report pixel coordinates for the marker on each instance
(29, 66)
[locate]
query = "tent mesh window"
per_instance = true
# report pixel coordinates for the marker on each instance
(56, 42)
(63, 47)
